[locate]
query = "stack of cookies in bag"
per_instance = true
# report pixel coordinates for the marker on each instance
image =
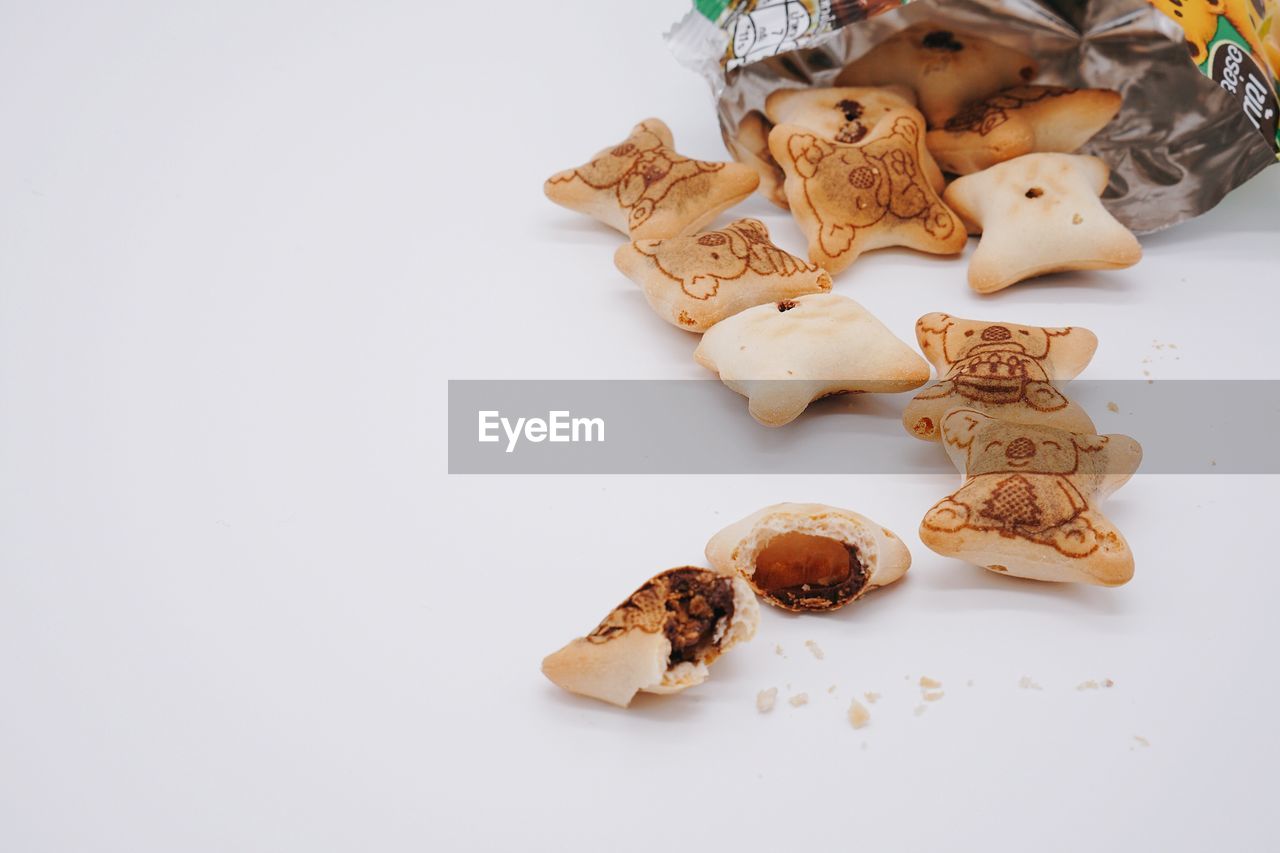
(931, 136)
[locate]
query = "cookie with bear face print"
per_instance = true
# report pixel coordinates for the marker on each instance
(698, 280)
(643, 188)
(661, 639)
(1020, 120)
(947, 69)
(850, 199)
(847, 114)
(1029, 503)
(1003, 370)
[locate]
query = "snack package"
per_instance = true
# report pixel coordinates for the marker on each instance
(1198, 116)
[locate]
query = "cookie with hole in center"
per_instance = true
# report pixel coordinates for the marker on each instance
(847, 115)
(784, 355)
(661, 639)
(1004, 370)
(695, 281)
(1038, 214)
(644, 189)
(850, 199)
(809, 557)
(1020, 120)
(1029, 503)
(946, 68)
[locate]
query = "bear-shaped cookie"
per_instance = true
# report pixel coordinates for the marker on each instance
(1028, 505)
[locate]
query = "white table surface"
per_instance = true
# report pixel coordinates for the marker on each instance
(243, 606)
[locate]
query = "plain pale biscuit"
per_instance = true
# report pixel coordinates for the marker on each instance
(809, 557)
(661, 639)
(696, 281)
(784, 355)
(945, 68)
(643, 188)
(850, 199)
(1038, 214)
(1028, 506)
(1004, 370)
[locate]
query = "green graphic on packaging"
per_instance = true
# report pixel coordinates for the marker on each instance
(1230, 62)
(758, 29)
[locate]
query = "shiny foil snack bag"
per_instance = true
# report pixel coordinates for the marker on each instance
(1199, 114)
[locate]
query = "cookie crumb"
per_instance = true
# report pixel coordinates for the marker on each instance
(1027, 684)
(777, 650)
(831, 689)
(859, 716)
(927, 683)
(1112, 407)
(1087, 685)
(799, 699)
(1107, 682)
(871, 697)
(765, 700)
(932, 695)
(814, 648)
(920, 709)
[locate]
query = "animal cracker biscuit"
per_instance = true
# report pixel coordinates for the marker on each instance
(643, 188)
(1020, 120)
(945, 68)
(784, 355)
(1028, 506)
(849, 199)
(1004, 370)
(847, 114)
(1038, 214)
(695, 281)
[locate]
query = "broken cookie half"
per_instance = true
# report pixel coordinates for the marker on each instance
(661, 639)
(809, 557)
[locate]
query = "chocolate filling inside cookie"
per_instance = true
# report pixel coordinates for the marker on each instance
(696, 602)
(804, 572)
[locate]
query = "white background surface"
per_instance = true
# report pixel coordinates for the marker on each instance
(244, 607)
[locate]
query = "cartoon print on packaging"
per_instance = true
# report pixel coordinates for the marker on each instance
(1027, 506)
(1199, 22)
(1001, 369)
(696, 281)
(853, 198)
(643, 188)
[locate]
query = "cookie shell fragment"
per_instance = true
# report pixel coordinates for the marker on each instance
(662, 639)
(809, 557)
